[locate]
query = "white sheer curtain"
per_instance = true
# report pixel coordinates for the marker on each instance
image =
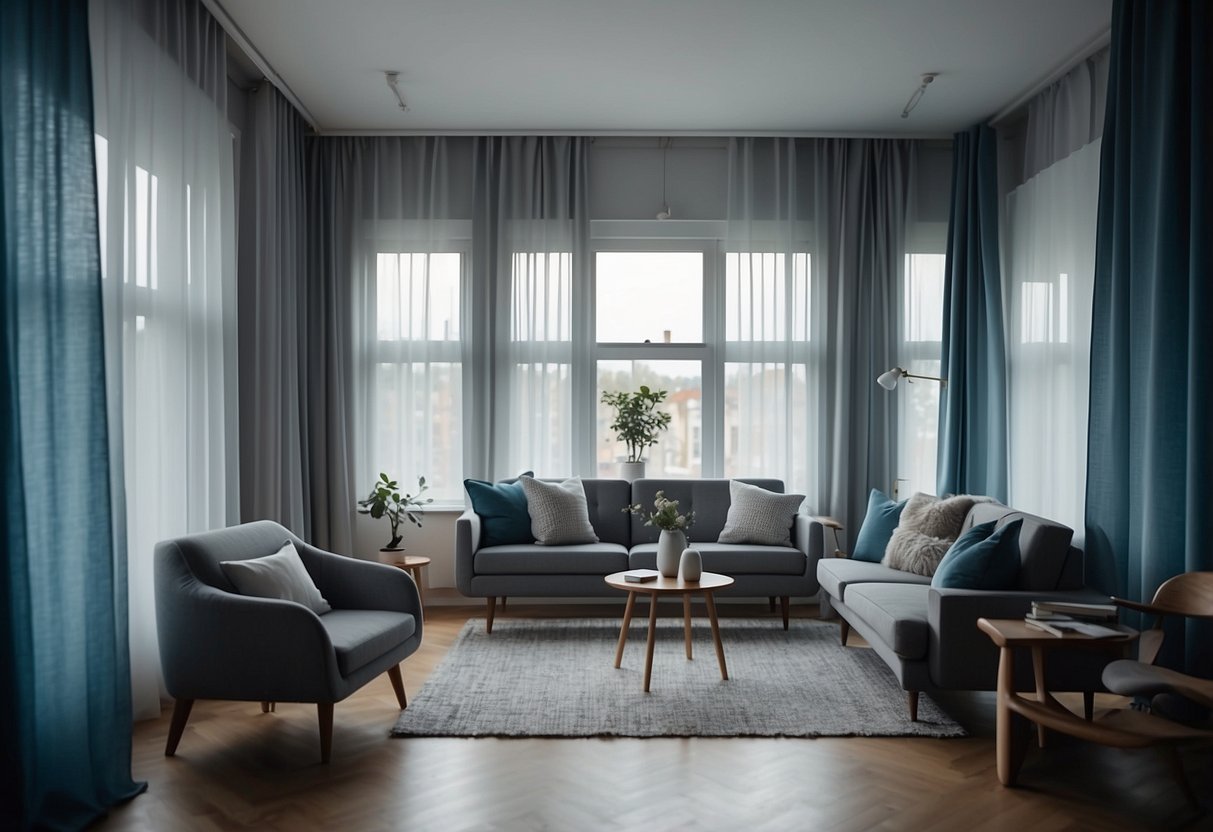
(1051, 259)
(165, 192)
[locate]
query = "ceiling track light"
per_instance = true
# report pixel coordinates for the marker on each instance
(393, 81)
(917, 95)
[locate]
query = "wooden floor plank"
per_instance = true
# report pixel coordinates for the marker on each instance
(237, 768)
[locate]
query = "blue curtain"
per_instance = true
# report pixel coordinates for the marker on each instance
(65, 713)
(973, 417)
(1150, 458)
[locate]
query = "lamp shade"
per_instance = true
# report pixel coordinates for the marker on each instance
(889, 380)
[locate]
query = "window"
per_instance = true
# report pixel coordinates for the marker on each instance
(417, 376)
(919, 352)
(649, 297)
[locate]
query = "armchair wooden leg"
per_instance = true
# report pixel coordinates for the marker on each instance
(492, 610)
(784, 603)
(181, 715)
(912, 701)
(844, 629)
(398, 686)
(325, 711)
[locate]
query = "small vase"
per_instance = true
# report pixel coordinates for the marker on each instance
(631, 470)
(669, 551)
(691, 566)
(391, 554)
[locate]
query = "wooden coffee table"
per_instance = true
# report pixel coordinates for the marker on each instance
(707, 585)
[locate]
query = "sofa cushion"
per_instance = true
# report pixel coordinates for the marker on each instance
(280, 575)
(878, 525)
(559, 513)
(982, 558)
(361, 636)
(896, 612)
(927, 529)
(502, 510)
(708, 498)
(577, 559)
(731, 558)
(759, 516)
(1044, 546)
(836, 574)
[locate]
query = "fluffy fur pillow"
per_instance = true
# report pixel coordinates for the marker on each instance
(927, 529)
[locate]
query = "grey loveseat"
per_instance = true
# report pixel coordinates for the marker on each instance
(928, 636)
(626, 543)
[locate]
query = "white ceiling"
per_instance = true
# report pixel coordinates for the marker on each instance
(663, 67)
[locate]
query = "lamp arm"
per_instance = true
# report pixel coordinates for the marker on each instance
(943, 381)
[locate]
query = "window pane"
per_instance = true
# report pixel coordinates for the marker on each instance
(761, 303)
(540, 284)
(924, 297)
(918, 402)
(766, 423)
(541, 420)
(649, 296)
(679, 452)
(416, 430)
(417, 296)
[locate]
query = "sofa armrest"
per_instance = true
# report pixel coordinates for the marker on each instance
(467, 542)
(353, 584)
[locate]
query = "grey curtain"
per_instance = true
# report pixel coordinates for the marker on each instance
(1066, 115)
(294, 313)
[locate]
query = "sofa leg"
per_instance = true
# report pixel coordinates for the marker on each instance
(844, 629)
(503, 600)
(912, 700)
(772, 603)
(324, 710)
(181, 715)
(393, 673)
(269, 707)
(491, 601)
(784, 604)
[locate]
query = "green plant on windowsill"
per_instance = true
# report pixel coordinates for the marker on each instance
(386, 500)
(638, 422)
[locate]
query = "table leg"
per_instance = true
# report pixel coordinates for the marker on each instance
(1042, 692)
(648, 656)
(711, 604)
(416, 573)
(623, 631)
(686, 621)
(1008, 756)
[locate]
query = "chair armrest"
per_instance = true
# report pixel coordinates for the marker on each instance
(353, 584)
(467, 542)
(220, 645)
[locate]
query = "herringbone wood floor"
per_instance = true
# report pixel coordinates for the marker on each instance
(240, 769)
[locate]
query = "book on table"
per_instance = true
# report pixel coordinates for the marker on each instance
(1081, 628)
(1073, 610)
(641, 576)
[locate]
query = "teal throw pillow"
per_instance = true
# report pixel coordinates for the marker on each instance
(878, 525)
(981, 558)
(503, 513)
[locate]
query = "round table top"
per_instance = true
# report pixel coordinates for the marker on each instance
(708, 582)
(409, 561)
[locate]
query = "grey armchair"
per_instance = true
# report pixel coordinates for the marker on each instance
(217, 644)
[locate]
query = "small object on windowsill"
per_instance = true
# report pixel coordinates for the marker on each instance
(640, 576)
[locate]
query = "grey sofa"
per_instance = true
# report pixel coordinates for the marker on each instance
(217, 644)
(928, 636)
(626, 543)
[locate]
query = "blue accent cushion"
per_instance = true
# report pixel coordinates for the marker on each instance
(981, 558)
(502, 509)
(878, 525)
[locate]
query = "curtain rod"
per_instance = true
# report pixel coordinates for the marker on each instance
(233, 30)
(1019, 102)
(645, 134)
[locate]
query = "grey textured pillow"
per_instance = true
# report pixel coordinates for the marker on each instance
(280, 575)
(927, 529)
(559, 514)
(759, 516)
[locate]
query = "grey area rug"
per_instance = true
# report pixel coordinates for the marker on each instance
(556, 678)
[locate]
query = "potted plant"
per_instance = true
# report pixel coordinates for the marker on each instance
(386, 500)
(673, 539)
(637, 425)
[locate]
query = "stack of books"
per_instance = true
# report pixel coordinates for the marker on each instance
(1062, 617)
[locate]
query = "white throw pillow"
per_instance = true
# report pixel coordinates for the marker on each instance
(280, 575)
(759, 516)
(559, 514)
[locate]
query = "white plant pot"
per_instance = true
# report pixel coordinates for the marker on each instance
(631, 470)
(691, 566)
(669, 552)
(387, 555)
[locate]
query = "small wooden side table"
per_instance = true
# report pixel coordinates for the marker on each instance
(413, 564)
(1122, 728)
(707, 584)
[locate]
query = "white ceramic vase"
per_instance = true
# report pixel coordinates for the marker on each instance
(669, 552)
(631, 470)
(691, 566)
